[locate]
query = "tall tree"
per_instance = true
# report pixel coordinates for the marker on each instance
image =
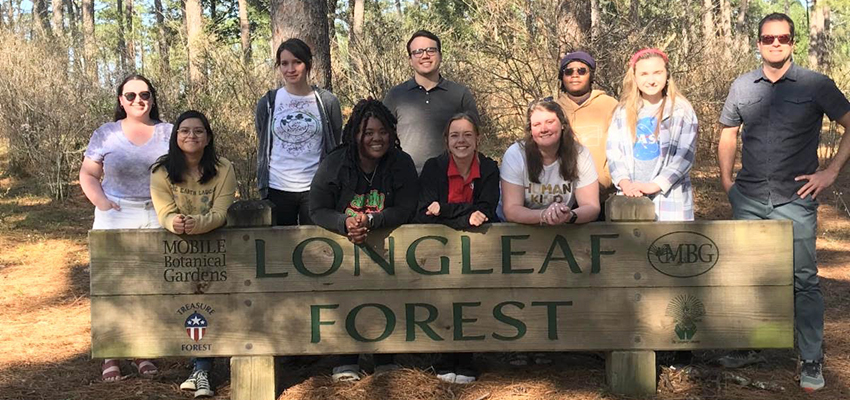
(307, 20)
(741, 25)
(162, 40)
(194, 34)
(131, 36)
(726, 27)
(245, 31)
(88, 40)
(595, 18)
(708, 23)
(574, 24)
(819, 36)
(57, 18)
(358, 9)
(634, 12)
(122, 46)
(40, 21)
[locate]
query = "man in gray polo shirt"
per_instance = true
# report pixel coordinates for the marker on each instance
(424, 104)
(781, 107)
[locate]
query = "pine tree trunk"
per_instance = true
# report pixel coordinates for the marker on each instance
(595, 18)
(574, 22)
(88, 40)
(57, 20)
(194, 27)
(245, 31)
(41, 22)
(726, 27)
(818, 43)
(634, 12)
(741, 26)
(131, 36)
(357, 19)
(708, 27)
(122, 46)
(308, 21)
(162, 42)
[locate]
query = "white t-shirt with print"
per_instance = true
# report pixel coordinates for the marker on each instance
(296, 142)
(552, 187)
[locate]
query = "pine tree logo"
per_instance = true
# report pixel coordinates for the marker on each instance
(686, 310)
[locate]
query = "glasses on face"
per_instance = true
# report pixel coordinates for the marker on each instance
(419, 52)
(768, 40)
(130, 96)
(196, 132)
(582, 71)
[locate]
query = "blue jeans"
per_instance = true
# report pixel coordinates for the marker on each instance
(808, 299)
(203, 364)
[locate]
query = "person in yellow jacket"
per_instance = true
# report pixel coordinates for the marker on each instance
(589, 113)
(191, 187)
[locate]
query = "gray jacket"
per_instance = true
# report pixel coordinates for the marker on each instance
(330, 114)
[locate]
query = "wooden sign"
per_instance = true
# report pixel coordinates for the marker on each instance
(428, 288)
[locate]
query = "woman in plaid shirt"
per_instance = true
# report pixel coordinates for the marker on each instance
(652, 138)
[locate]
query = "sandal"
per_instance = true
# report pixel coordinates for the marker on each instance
(111, 371)
(145, 368)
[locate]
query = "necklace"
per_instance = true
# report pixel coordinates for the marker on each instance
(369, 178)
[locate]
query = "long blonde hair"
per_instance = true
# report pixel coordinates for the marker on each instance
(630, 99)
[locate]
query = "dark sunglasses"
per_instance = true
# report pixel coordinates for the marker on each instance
(130, 96)
(767, 40)
(547, 99)
(581, 71)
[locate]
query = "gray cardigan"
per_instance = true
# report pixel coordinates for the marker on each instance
(330, 114)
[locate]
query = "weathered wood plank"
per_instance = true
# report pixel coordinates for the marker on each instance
(293, 259)
(631, 373)
(252, 378)
(445, 320)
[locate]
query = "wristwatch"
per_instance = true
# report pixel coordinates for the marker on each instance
(369, 218)
(573, 218)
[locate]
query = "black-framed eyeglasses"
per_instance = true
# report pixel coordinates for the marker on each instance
(419, 52)
(768, 40)
(582, 71)
(130, 96)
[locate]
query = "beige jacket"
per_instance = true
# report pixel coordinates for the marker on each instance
(590, 122)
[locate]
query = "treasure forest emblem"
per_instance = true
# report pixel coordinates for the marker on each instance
(686, 310)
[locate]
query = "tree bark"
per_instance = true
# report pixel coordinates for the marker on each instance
(131, 36)
(41, 23)
(708, 27)
(308, 21)
(741, 26)
(244, 31)
(634, 12)
(574, 22)
(398, 8)
(88, 40)
(57, 20)
(122, 46)
(818, 43)
(357, 19)
(595, 18)
(162, 42)
(213, 11)
(726, 27)
(194, 27)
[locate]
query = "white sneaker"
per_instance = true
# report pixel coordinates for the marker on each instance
(448, 377)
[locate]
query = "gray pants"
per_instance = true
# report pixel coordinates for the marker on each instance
(808, 299)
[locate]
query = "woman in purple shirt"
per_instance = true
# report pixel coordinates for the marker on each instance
(115, 175)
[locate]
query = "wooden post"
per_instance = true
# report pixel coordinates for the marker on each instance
(630, 373)
(252, 377)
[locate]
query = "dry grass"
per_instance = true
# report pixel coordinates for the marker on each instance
(45, 328)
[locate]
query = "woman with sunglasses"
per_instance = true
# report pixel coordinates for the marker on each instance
(653, 137)
(545, 175)
(115, 174)
(191, 189)
(367, 183)
(460, 189)
(297, 126)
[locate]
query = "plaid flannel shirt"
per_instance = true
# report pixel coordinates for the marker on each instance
(678, 139)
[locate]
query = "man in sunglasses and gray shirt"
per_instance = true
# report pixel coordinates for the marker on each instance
(424, 104)
(781, 108)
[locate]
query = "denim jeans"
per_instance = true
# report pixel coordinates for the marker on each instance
(808, 299)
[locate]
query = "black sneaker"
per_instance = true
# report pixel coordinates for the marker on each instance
(811, 376)
(202, 384)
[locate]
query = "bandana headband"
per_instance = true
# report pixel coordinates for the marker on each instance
(640, 53)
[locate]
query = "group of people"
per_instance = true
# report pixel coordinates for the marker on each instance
(414, 158)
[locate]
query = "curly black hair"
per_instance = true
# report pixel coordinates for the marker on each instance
(363, 110)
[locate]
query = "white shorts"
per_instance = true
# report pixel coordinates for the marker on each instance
(132, 215)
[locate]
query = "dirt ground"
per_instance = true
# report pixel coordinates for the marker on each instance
(45, 327)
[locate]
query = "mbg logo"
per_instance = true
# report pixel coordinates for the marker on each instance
(683, 254)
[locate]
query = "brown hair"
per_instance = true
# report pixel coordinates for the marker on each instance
(567, 145)
(460, 116)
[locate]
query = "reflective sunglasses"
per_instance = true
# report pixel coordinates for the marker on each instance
(130, 96)
(767, 40)
(419, 52)
(582, 71)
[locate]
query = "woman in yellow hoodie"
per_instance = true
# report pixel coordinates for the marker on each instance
(191, 189)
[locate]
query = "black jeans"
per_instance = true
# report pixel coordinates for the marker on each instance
(293, 208)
